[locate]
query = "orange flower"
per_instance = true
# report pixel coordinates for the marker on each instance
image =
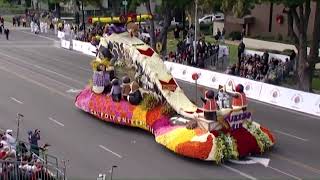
(153, 115)
(198, 150)
(267, 132)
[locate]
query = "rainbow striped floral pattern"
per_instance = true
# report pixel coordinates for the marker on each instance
(195, 143)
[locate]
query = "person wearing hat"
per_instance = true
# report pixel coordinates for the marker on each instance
(223, 98)
(10, 139)
(239, 98)
(125, 87)
(209, 106)
(115, 90)
(135, 96)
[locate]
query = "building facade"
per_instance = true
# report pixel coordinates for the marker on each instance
(268, 20)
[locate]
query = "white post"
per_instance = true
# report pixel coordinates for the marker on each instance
(195, 33)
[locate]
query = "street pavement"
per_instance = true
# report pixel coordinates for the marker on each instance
(36, 77)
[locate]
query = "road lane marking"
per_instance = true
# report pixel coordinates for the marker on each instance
(42, 68)
(16, 100)
(37, 35)
(55, 121)
(36, 82)
(106, 149)
(299, 164)
(287, 174)
(37, 73)
(56, 59)
(290, 135)
(239, 172)
(74, 91)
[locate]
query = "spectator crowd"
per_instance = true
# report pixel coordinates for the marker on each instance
(261, 68)
(19, 162)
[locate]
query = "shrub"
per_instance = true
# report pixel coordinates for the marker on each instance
(149, 102)
(235, 35)
(167, 110)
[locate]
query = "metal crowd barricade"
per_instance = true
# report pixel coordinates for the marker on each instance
(50, 161)
(18, 170)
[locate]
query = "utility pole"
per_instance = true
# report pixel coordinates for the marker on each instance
(19, 116)
(195, 32)
(125, 3)
(111, 173)
(83, 21)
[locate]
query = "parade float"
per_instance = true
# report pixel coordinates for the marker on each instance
(152, 100)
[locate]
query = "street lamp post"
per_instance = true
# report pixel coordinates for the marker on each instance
(125, 3)
(111, 174)
(195, 32)
(19, 116)
(83, 22)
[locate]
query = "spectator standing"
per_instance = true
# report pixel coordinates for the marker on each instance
(6, 32)
(14, 21)
(34, 137)
(176, 32)
(0, 30)
(241, 49)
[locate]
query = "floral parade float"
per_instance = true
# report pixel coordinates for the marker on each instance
(152, 100)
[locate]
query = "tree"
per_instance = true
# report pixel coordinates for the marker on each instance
(300, 11)
(298, 17)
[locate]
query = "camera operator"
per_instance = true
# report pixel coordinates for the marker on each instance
(34, 137)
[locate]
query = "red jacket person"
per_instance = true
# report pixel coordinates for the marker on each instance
(239, 100)
(209, 106)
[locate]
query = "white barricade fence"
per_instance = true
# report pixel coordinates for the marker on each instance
(65, 44)
(291, 99)
(60, 34)
(280, 96)
(271, 55)
(89, 49)
(77, 45)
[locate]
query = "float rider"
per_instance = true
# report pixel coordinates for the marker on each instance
(239, 100)
(209, 106)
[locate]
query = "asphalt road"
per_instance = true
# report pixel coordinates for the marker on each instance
(35, 76)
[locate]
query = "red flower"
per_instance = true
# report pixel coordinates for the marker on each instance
(246, 143)
(195, 76)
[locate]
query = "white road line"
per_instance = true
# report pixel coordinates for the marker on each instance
(42, 75)
(58, 60)
(282, 172)
(37, 35)
(106, 149)
(290, 135)
(55, 121)
(37, 83)
(16, 100)
(42, 68)
(239, 172)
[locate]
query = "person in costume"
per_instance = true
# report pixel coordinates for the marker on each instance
(125, 87)
(239, 98)
(223, 98)
(101, 80)
(209, 106)
(115, 90)
(135, 96)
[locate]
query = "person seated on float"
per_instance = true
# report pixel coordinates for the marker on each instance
(209, 106)
(115, 90)
(125, 87)
(239, 98)
(223, 98)
(135, 96)
(101, 80)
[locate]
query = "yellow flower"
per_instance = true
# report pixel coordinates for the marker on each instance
(140, 117)
(172, 139)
